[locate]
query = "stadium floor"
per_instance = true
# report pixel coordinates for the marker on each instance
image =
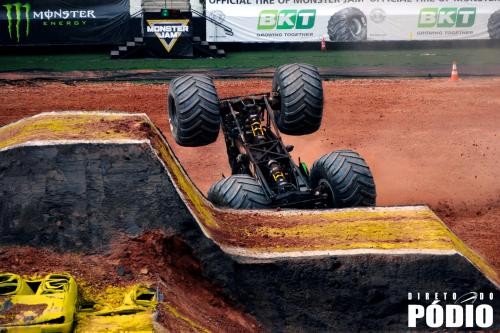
(423, 62)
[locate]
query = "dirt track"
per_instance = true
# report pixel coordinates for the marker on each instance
(427, 141)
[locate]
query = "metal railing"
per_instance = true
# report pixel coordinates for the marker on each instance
(227, 30)
(136, 14)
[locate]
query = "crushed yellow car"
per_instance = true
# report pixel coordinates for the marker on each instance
(45, 305)
(135, 314)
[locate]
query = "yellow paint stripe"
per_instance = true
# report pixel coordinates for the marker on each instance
(185, 319)
(472, 256)
(422, 244)
(375, 214)
(368, 230)
(195, 198)
(61, 127)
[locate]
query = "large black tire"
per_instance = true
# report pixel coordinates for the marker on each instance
(193, 110)
(300, 98)
(347, 25)
(346, 178)
(494, 25)
(238, 192)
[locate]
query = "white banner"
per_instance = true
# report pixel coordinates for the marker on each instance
(352, 20)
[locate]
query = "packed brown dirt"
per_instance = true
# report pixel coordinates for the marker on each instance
(427, 141)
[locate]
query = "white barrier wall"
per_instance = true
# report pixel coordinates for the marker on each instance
(353, 20)
(135, 6)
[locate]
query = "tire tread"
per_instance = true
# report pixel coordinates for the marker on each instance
(197, 106)
(338, 25)
(301, 94)
(238, 192)
(348, 175)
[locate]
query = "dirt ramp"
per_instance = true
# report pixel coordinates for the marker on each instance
(77, 181)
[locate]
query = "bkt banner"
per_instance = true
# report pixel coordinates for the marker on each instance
(62, 21)
(353, 20)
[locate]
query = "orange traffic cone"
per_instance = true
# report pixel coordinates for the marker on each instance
(323, 43)
(454, 72)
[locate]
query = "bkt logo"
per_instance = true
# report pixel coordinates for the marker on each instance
(15, 13)
(447, 17)
(286, 19)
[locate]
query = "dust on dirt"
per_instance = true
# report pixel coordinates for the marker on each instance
(426, 141)
(163, 260)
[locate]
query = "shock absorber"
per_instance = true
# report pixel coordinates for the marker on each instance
(277, 175)
(256, 127)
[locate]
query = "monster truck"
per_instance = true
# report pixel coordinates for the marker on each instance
(264, 175)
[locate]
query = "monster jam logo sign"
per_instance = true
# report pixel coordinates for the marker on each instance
(168, 31)
(15, 13)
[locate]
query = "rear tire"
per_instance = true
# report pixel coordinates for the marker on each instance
(301, 99)
(238, 192)
(193, 110)
(347, 25)
(345, 176)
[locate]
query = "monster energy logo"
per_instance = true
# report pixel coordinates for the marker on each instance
(17, 7)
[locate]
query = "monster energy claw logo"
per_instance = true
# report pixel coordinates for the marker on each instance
(17, 7)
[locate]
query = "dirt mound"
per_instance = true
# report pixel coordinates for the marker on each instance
(427, 141)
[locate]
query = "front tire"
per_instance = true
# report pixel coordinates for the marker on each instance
(346, 178)
(193, 110)
(238, 192)
(347, 25)
(300, 94)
